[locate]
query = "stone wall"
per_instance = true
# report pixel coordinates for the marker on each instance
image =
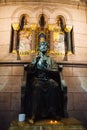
(11, 77)
(76, 80)
(10, 94)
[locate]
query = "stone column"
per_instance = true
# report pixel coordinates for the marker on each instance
(68, 30)
(51, 28)
(16, 28)
(33, 27)
(51, 40)
(33, 40)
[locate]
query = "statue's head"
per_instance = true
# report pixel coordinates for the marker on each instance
(43, 47)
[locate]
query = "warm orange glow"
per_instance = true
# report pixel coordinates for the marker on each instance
(53, 122)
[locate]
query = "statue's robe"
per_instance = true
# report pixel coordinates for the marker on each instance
(43, 95)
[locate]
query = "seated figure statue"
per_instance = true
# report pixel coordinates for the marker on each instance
(43, 96)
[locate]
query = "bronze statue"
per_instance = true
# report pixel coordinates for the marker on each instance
(43, 96)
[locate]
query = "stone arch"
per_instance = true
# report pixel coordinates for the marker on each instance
(68, 20)
(17, 18)
(42, 11)
(45, 18)
(45, 11)
(65, 13)
(26, 15)
(62, 21)
(69, 49)
(19, 12)
(24, 19)
(34, 13)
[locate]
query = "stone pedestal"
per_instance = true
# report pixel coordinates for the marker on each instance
(64, 124)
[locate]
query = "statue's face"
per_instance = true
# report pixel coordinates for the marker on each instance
(43, 47)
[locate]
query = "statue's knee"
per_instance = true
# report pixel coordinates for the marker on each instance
(53, 83)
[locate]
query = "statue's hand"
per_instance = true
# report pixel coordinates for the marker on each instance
(42, 64)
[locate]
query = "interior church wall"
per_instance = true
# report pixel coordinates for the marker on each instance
(10, 94)
(76, 80)
(78, 23)
(11, 77)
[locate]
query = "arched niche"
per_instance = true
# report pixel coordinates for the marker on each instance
(42, 31)
(21, 36)
(24, 35)
(24, 20)
(51, 27)
(42, 21)
(61, 37)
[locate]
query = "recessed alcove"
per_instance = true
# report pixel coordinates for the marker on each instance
(25, 36)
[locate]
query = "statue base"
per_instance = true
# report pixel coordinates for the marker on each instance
(64, 124)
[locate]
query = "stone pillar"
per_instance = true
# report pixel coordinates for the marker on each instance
(68, 30)
(16, 28)
(33, 40)
(51, 28)
(33, 27)
(51, 40)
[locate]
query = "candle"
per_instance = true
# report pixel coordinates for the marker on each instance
(53, 122)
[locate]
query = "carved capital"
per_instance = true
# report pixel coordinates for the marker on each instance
(68, 28)
(33, 26)
(51, 27)
(69, 52)
(16, 26)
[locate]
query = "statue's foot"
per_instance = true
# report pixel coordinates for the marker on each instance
(31, 121)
